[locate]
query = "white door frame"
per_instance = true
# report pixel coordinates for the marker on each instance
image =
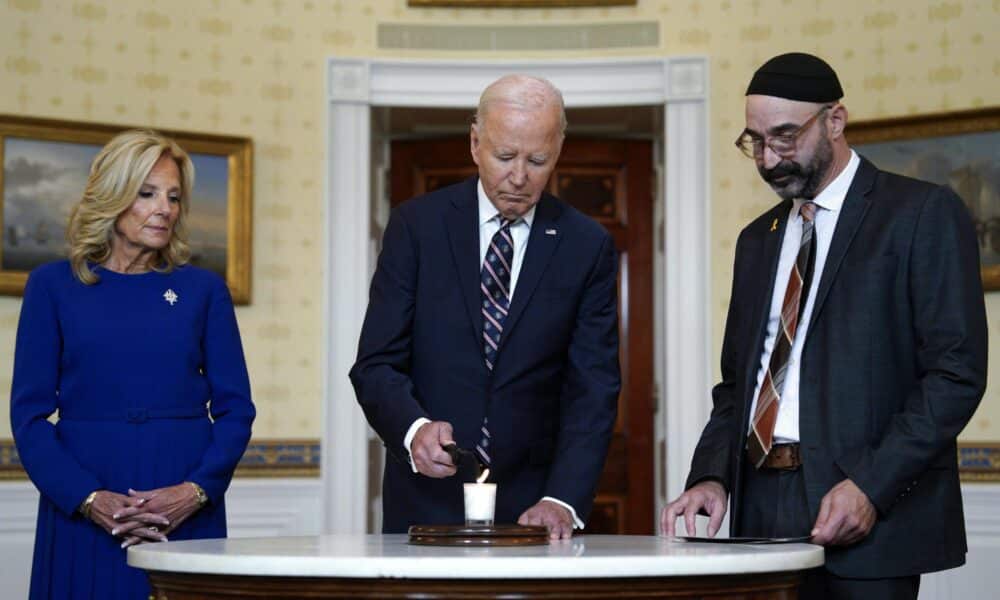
(355, 86)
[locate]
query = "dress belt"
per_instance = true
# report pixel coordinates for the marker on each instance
(784, 457)
(135, 415)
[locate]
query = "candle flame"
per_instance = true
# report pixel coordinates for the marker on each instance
(482, 478)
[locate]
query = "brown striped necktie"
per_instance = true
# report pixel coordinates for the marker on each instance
(760, 438)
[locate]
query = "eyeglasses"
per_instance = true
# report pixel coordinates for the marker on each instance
(784, 145)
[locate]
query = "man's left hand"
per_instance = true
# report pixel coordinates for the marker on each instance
(846, 515)
(556, 518)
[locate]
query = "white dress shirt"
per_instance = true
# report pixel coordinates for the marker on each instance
(489, 224)
(828, 203)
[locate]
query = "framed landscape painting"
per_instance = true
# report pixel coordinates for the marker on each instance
(958, 149)
(45, 168)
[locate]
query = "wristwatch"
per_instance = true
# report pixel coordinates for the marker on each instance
(199, 494)
(84, 507)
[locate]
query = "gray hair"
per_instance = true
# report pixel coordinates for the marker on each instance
(523, 91)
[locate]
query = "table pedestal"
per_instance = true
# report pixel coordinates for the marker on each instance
(196, 586)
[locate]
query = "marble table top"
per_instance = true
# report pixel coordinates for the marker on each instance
(376, 556)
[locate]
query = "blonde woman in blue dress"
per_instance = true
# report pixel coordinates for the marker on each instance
(140, 355)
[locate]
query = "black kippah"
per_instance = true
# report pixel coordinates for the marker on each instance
(797, 76)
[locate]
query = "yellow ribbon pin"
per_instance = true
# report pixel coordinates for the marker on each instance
(774, 225)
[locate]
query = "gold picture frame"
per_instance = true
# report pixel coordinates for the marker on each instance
(296, 457)
(979, 461)
(961, 149)
(516, 3)
(45, 165)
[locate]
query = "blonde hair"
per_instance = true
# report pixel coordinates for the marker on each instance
(117, 173)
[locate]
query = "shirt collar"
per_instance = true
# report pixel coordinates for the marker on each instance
(488, 212)
(832, 197)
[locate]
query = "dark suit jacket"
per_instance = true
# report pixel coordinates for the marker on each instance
(893, 367)
(552, 396)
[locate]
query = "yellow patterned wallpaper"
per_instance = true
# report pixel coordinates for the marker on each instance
(255, 68)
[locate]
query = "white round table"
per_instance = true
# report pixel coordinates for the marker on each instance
(386, 566)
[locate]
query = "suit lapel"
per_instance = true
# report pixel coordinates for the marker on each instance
(852, 212)
(766, 270)
(462, 225)
(541, 244)
(770, 236)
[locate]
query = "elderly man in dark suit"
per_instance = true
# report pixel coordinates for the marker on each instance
(854, 354)
(492, 323)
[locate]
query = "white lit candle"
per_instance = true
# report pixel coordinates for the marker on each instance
(480, 502)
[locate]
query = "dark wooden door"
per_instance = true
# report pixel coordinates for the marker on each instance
(611, 181)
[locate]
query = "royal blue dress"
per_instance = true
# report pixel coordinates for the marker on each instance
(134, 365)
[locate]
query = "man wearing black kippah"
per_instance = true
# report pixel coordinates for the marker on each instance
(854, 354)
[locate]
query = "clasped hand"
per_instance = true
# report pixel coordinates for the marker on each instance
(144, 516)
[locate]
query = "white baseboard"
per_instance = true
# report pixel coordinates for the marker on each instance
(979, 577)
(274, 507)
(18, 512)
(255, 508)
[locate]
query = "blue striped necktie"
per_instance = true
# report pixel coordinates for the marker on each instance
(494, 283)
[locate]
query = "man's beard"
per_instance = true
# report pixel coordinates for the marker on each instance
(803, 181)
